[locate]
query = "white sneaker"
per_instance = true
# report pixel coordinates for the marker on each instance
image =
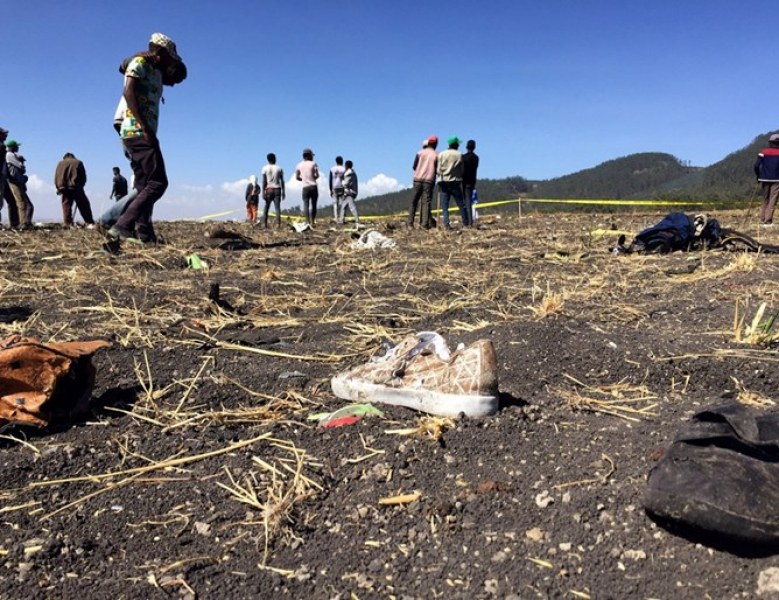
(422, 374)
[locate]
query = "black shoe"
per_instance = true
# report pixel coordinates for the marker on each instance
(112, 247)
(720, 476)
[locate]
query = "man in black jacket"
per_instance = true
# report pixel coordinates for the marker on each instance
(119, 189)
(470, 167)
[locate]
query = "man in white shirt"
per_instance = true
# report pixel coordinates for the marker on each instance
(272, 189)
(307, 172)
(337, 184)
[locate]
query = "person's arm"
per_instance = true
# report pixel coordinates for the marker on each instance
(758, 162)
(281, 177)
(58, 178)
(316, 172)
(330, 182)
(132, 103)
(297, 174)
(82, 175)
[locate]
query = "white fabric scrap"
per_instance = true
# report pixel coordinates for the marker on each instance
(372, 239)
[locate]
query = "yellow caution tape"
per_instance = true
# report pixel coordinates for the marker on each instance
(215, 215)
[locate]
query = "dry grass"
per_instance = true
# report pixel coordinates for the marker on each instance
(623, 400)
(759, 331)
(751, 398)
(276, 488)
(157, 313)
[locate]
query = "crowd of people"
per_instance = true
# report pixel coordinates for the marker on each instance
(456, 173)
(136, 120)
(342, 183)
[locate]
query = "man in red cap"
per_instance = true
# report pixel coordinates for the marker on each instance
(767, 172)
(425, 165)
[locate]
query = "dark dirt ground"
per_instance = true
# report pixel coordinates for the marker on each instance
(542, 500)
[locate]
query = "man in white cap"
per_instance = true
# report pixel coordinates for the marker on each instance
(140, 104)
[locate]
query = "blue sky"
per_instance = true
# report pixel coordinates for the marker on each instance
(545, 88)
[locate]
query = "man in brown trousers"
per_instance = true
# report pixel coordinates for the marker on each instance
(70, 179)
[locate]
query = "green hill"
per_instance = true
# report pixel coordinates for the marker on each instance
(633, 176)
(646, 175)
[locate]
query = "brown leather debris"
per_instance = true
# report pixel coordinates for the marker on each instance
(41, 384)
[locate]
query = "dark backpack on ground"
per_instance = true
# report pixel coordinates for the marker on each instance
(678, 231)
(720, 478)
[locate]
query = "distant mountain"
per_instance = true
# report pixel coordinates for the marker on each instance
(732, 178)
(633, 176)
(646, 175)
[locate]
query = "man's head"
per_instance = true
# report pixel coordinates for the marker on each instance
(349, 164)
(116, 170)
(12, 145)
(470, 145)
(174, 72)
(68, 155)
(339, 160)
(165, 49)
(271, 158)
(454, 142)
(308, 154)
(773, 140)
(3, 134)
(432, 142)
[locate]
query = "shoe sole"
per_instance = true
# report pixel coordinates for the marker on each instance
(427, 401)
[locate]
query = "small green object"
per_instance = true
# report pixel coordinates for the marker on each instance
(195, 263)
(350, 410)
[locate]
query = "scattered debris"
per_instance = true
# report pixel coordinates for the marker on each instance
(196, 263)
(399, 500)
(44, 384)
(371, 238)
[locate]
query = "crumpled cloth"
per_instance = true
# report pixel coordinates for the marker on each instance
(373, 239)
(43, 383)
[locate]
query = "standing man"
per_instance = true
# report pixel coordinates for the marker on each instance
(337, 184)
(767, 172)
(272, 189)
(425, 164)
(450, 172)
(307, 172)
(143, 80)
(470, 167)
(119, 189)
(70, 178)
(350, 193)
(3, 169)
(17, 181)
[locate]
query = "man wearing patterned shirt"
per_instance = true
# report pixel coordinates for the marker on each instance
(143, 80)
